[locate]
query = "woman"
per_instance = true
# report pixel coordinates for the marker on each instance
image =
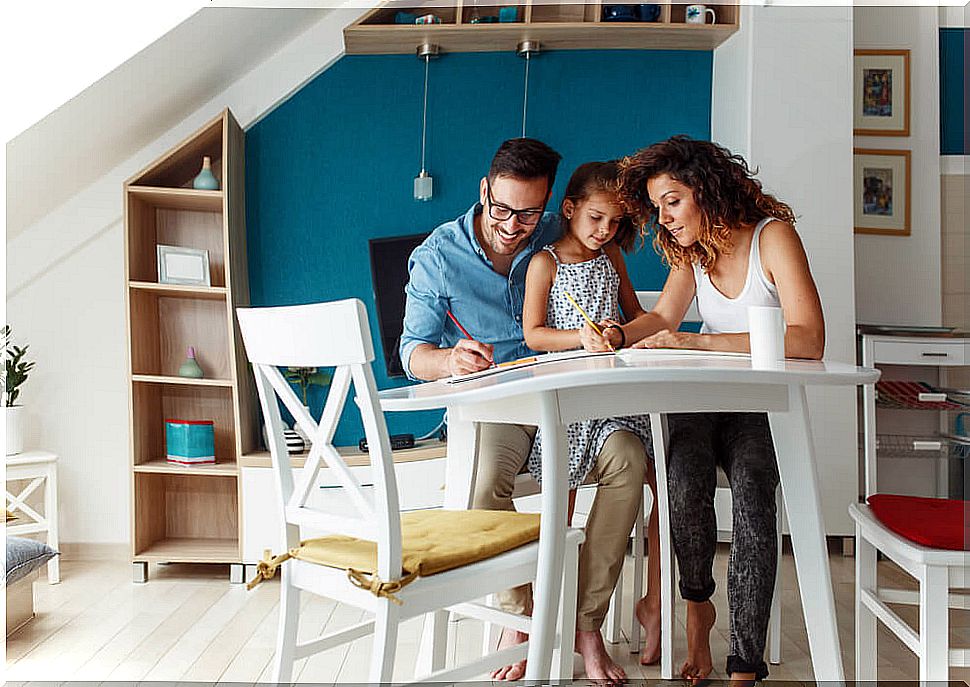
(730, 245)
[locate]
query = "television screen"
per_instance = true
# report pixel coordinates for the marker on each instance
(389, 273)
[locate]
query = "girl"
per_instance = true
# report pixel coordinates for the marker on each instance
(587, 265)
(730, 245)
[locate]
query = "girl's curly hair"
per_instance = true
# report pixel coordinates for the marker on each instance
(724, 189)
(602, 177)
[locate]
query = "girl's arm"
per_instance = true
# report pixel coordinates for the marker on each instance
(785, 263)
(538, 283)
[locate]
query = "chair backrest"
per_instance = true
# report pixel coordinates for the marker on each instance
(337, 335)
(648, 299)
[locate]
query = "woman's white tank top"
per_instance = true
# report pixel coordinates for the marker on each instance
(723, 315)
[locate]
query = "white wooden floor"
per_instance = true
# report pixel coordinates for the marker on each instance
(188, 623)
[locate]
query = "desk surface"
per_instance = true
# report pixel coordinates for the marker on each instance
(30, 458)
(632, 366)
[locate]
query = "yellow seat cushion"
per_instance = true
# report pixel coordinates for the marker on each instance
(432, 541)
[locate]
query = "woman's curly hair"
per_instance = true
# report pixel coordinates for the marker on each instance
(724, 189)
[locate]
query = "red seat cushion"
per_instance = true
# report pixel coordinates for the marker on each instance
(937, 523)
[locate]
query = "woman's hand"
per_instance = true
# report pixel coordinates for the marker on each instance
(593, 342)
(668, 339)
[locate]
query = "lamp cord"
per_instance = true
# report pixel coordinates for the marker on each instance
(525, 94)
(424, 111)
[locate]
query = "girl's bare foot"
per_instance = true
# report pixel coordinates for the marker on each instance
(700, 621)
(648, 614)
(599, 666)
(516, 671)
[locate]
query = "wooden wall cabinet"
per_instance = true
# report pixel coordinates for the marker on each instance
(556, 26)
(188, 513)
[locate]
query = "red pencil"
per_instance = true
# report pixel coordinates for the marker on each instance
(458, 324)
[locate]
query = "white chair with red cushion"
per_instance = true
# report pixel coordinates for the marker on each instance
(928, 538)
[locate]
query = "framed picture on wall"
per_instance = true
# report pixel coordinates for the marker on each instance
(881, 182)
(881, 93)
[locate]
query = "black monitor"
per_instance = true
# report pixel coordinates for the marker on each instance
(389, 274)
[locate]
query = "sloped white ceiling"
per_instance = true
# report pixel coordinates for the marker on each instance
(139, 101)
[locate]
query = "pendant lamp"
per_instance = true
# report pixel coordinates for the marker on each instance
(525, 50)
(423, 183)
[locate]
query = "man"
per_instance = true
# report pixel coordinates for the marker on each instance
(475, 268)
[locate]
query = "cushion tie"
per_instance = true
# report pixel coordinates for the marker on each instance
(372, 583)
(266, 568)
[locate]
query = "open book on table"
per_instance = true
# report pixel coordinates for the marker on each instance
(528, 361)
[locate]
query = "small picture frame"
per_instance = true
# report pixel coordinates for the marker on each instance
(184, 266)
(881, 183)
(881, 93)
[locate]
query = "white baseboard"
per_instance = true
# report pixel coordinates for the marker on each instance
(81, 551)
(954, 164)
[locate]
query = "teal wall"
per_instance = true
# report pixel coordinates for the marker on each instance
(954, 91)
(333, 166)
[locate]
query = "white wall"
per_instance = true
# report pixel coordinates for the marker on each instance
(898, 278)
(783, 99)
(65, 297)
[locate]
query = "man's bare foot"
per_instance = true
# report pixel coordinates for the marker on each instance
(648, 614)
(700, 621)
(516, 671)
(599, 666)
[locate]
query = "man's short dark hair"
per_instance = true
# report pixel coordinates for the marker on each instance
(525, 158)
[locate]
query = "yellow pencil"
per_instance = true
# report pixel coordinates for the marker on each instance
(585, 316)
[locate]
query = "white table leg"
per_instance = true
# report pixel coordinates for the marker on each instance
(462, 462)
(791, 432)
(552, 534)
(658, 430)
(50, 512)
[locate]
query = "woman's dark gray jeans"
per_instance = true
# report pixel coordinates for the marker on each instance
(741, 445)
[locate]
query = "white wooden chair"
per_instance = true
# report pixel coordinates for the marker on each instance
(337, 334)
(936, 570)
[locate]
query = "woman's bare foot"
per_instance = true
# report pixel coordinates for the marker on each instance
(700, 621)
(648, 614)
(516, 671)
(599, 666)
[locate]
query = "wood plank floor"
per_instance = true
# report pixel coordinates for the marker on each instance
(189, 624)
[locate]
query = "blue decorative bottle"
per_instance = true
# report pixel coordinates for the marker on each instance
(206, 180)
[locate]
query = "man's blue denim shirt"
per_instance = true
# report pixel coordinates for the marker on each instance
(450, 271)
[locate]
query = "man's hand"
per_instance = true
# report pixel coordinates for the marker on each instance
(469, 356)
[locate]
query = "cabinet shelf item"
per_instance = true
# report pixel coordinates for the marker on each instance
(163, 466)
(215, 293)
(563, 26)
(918, 396)
(182, 381)
(188, 513)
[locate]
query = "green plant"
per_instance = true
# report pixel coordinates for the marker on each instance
(15, 367)
(305, 377)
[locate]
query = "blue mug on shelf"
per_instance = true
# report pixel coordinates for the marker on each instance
(619, 12)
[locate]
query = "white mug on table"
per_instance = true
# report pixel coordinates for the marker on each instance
(696, 14)
(766, 332)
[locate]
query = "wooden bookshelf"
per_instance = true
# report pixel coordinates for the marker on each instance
(188, 513)
(556, 26)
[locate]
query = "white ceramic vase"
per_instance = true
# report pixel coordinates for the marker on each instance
(14, 416)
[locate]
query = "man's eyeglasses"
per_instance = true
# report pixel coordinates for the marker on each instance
(500, 212)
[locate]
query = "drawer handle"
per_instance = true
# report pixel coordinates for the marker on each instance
(935, 355)
(927, 397)
(927, 445)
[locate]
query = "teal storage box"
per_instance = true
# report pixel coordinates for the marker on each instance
(190, 442)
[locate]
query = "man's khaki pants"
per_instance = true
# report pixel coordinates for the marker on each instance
(618, 472)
